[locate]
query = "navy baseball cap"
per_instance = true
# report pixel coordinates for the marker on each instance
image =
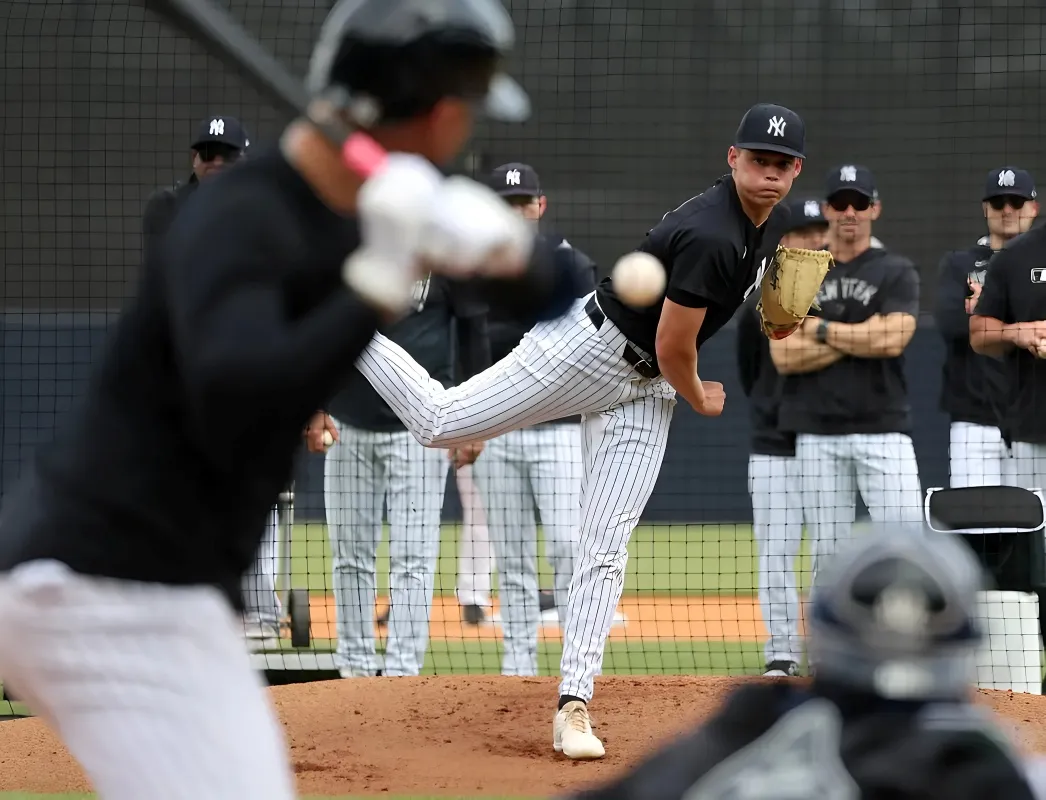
(771, 127)
(851, 178)
(221, 130)
(515, 180)
(804, 213)
(1009, 181)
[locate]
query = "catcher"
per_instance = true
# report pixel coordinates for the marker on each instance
(888, 713)
(621, 367)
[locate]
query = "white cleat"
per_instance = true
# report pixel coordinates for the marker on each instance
(261, 636)
(572, 733)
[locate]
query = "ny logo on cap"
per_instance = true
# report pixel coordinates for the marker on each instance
(812, 208)
(1006, 177)
(777, 126)
(512, 177)
(848, 174)
(217, 127)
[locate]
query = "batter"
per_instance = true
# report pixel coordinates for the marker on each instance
(621, 368)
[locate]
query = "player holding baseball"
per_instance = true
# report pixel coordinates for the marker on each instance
(889, 713)
(538, 467)
(774, 479)
(844, 393)
(1009, 322)
(974, 387)
(621, 368)
(376, 462)
(122, 548)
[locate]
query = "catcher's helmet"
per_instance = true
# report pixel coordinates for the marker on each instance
(893, 613)
(394, 59)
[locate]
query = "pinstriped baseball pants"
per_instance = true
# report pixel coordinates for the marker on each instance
(149, 686)
(560, 368)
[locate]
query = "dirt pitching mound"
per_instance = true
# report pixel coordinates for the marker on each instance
(482, 736)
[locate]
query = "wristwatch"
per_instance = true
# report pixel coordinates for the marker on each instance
(822, 331)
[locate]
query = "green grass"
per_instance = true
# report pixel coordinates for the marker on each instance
(677, 559)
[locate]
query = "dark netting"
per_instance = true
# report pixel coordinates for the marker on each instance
(635, 104)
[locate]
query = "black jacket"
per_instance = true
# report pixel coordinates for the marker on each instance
(160, 210)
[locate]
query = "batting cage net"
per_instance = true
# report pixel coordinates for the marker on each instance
(382, 556)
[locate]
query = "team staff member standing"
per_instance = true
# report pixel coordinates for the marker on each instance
(122, 547)
(621, 368)
(538, 467)
(774, 480)
(376, 462)
(974, 386)
(1009, 322)
(219, 141)
(845, 394)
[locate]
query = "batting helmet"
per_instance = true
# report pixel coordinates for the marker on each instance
(395, 59)
(893, 613)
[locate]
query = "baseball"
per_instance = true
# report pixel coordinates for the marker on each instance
(328, 440)
(639, 279)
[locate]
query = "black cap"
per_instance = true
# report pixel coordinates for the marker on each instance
(851, 178)
(221, 130)
(770, 127)
(515, 180)
(444, 26)
(804, 213)
(1009, 181)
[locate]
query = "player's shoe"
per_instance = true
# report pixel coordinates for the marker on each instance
(781, 669)
(473, 615)
(383, 617)
(261, 636)
(572, 733)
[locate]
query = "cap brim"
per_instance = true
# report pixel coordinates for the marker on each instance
(506, 100)
(1017, 193)
(772, 148)
(871, 195)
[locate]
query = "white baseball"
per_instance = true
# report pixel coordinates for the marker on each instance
(639, 279)
(328, 440)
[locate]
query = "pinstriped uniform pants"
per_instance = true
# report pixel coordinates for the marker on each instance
(560, 368)
(149, 686)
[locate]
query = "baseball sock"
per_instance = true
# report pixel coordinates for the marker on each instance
(569, 698)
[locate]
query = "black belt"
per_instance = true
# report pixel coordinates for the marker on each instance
(641, 365)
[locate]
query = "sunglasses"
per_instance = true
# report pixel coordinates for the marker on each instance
(210, 151)
(1003, 200)
(844, 200)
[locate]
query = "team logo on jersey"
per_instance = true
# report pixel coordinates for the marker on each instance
(419, 294)
(797, 759)
(1038, 275)
(758, 277)
(838, 289)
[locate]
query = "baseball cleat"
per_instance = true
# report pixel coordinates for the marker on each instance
(572, 733)
(781, 669)
(261, 636)
(473, 615)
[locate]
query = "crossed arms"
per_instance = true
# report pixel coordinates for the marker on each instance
(879, 336)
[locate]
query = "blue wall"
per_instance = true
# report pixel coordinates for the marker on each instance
(46, 360)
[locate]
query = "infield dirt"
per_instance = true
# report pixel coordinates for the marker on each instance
(460, 736)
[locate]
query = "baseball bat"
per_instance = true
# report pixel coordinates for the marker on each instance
(227, 40)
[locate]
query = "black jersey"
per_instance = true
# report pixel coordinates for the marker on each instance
(161, 209)
(444, 313)
(762, 385)
(1015, 291)
(857, 395)
(712, 254)
(166, 469)
(782, 742)
(973, 386)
